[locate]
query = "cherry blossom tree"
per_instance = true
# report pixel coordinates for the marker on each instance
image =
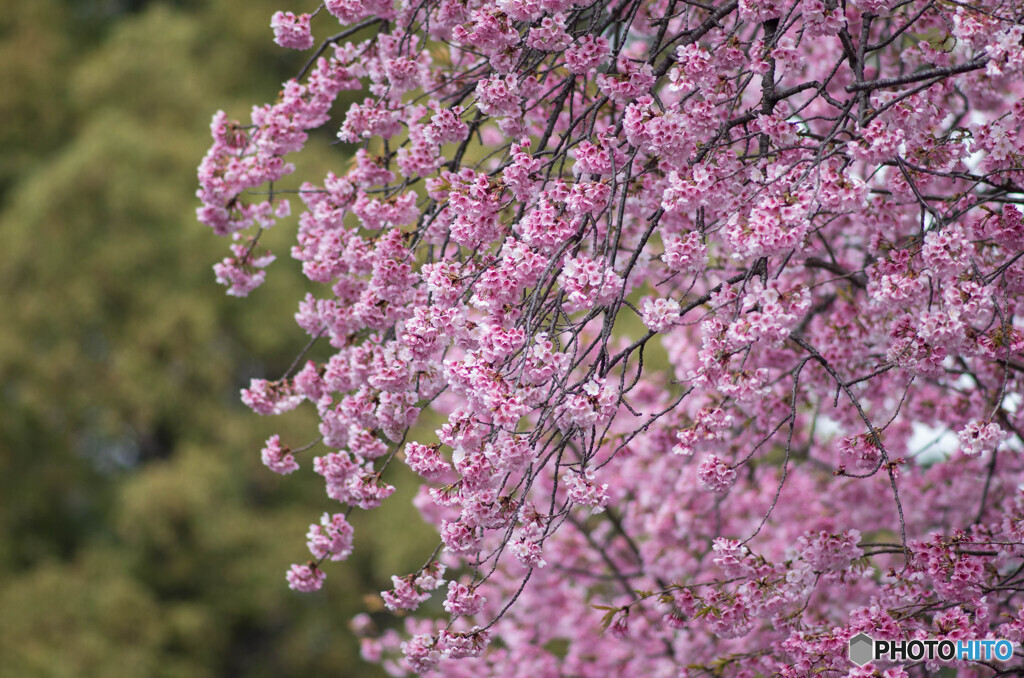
(721, 301)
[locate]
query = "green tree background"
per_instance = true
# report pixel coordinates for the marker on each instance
(139, 533)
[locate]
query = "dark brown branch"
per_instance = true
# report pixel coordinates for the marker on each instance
(854, 277)
(918, 77)
(696, 34)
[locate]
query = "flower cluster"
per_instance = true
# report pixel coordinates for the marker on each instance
(691, 292)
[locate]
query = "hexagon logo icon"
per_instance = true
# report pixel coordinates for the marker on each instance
(862, 649)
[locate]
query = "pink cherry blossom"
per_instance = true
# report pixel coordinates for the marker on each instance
(277, 457)
(306, 578)
(715, 475)
(331, 538)
(292, 31)
(700, 325)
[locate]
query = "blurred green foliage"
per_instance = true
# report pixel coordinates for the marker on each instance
(139, 534)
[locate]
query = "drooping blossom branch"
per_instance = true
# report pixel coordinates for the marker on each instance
(696, 287)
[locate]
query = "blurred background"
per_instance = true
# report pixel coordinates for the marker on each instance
(139, 533)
